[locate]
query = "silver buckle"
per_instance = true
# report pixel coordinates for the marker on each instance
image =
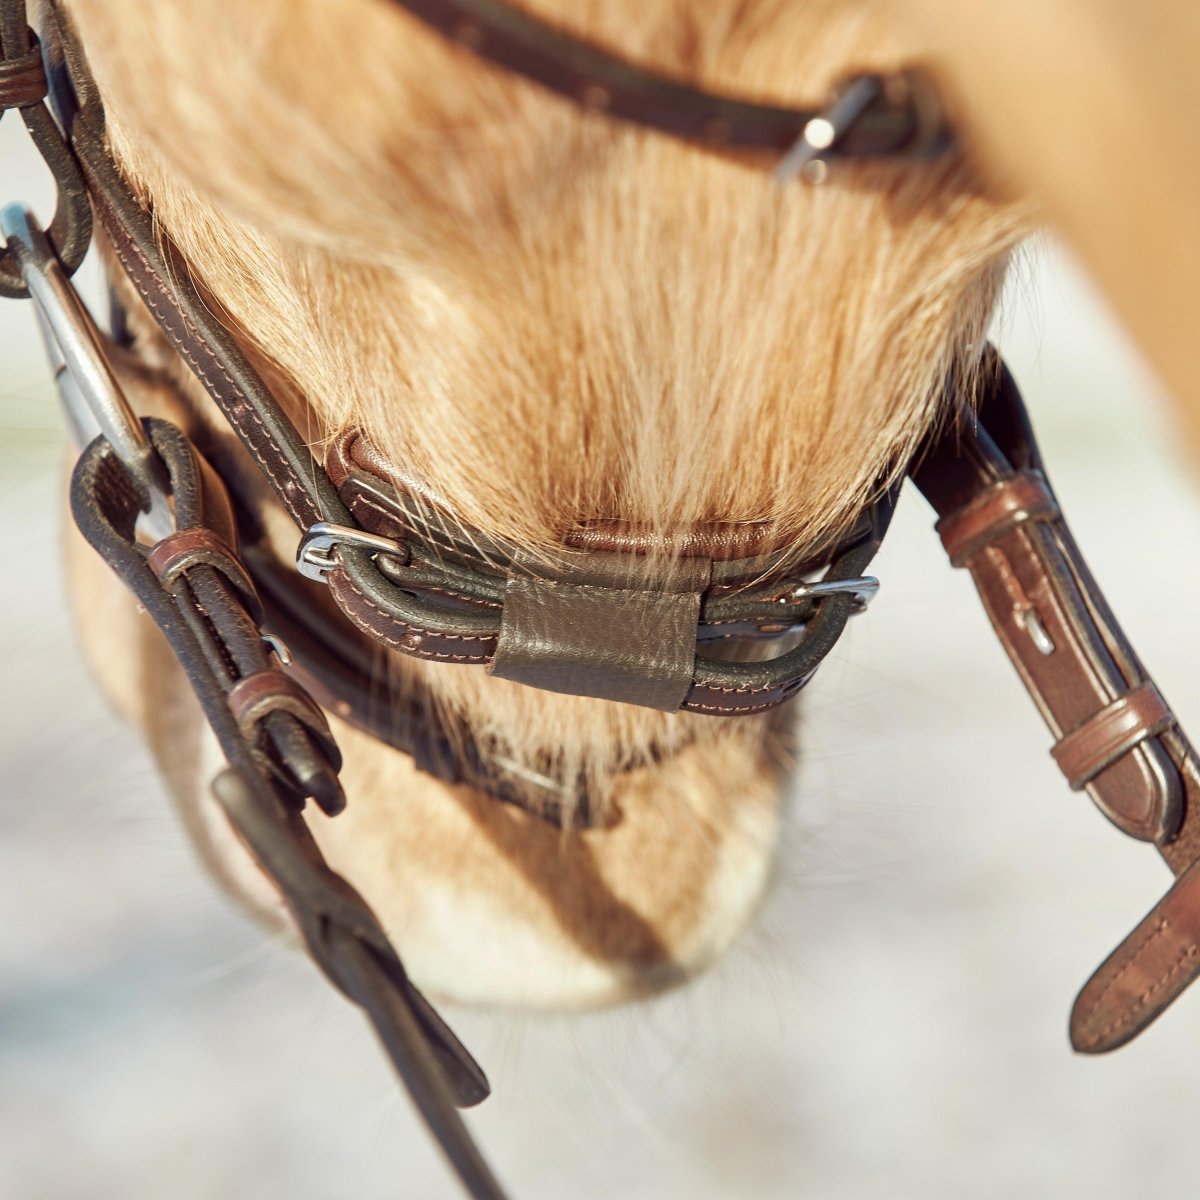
(315, 554)
(821, 133)
(863, 588)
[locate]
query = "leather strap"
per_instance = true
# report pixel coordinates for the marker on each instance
(179, 552)
(1111, 734)
(340, 669)
(1114, 734)
(167, 287)
(1007, 503)
(280, 755)
(22, 80)
(426, 607)
(1151, 968)
(904, 120)
(255, 696)
(23, 84)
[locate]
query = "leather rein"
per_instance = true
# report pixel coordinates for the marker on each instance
(408, 576)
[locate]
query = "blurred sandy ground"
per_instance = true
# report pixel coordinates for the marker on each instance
(894, 1025)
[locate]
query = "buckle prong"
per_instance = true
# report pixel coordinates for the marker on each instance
(863, 588)
(315, 554)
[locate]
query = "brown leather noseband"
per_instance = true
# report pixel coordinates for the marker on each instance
(452, 594)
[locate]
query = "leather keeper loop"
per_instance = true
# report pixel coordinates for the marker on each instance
(1114, 731)
(624, 629)
(1012, 501)
(257, 696)
(180, 552)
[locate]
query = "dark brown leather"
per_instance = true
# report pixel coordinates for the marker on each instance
(22, 80)
(719, 541)
(168, 288)
(371, 603)
(345, 674)
(378, 601)
(1111, 733)
(214, 619)
(607, 627)
(271, 775)
(23, 83)
(905, 119)
(387, 500)
(1004, 525)
(1026, 580)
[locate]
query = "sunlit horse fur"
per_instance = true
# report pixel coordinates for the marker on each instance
(545, 315)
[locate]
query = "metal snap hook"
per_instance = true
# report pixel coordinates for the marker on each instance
(91, 397)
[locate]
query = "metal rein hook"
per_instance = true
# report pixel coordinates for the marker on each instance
(91, 397)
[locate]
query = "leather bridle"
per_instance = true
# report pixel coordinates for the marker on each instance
(409, 576)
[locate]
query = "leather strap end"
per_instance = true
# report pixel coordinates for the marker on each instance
(1146, 973)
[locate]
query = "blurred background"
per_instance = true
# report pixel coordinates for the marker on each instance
(893, 1024)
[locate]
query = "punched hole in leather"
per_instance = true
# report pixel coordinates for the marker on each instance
(614, 626)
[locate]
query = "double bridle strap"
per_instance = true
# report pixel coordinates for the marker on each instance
(408, 575)
(449, 594)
